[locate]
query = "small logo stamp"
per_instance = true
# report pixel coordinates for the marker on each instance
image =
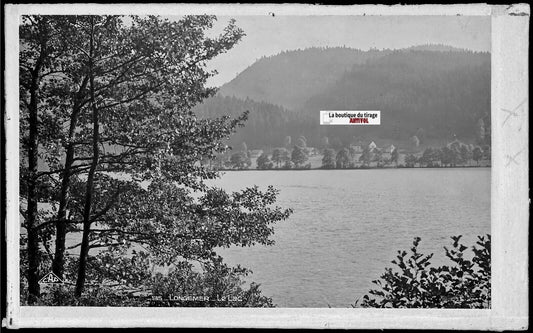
(51, 278)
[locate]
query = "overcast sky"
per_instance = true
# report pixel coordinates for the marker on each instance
(267, 35)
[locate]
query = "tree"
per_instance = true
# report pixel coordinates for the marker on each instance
(410, 160)
(418, 284)
(366, 156)
(299, 156)
(218, 162)
(328, 160)
(276, 156)
(351, 154)
(121, 103)
(280, 155)
(342, 159)
(426, 156)
(394, 156)
(436, 156)
(477, 154)
(144, 79)
(465, 154)
(486, 152)
(240, 160)
(288, 165)
(378, 157)
(287, 141)
(85, 50)
(430, 156)
(263, 162)
(285, 156)
(455, 148)
(447, 156)
(34, 65)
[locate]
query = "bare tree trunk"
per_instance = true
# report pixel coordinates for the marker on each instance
(33, 164)
(61, 221)
(80, 282)
(58, 262)
(61, 226)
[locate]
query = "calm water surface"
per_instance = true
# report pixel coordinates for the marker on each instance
(347, 226)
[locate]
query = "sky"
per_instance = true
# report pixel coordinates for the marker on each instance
(269, 35)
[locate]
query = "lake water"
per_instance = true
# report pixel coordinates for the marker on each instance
(347, 226)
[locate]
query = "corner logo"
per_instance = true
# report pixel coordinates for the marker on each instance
(50, 278)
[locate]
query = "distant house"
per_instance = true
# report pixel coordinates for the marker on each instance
(372, 146)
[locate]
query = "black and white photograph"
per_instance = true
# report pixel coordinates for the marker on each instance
(206, 160)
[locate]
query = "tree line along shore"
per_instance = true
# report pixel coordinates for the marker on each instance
(301, 157)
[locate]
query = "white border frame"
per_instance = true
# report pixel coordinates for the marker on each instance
(509, 190)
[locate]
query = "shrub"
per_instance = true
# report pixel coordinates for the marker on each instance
(417, 284)
(134, 283)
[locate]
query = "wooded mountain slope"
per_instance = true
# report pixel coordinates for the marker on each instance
(291, 77)
(435, 95)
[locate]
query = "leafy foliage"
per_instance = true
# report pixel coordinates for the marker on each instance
(367, 156)
(343, 159)
(430, 157)
(263, 162)
(378, 157)
(477, 154)
(299, 156)
(240, 160)
(328, 160)
(418, 284)
(214, 285)
(111, 150)
(220, 285)
(411, 160)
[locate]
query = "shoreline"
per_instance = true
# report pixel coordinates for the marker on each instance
(369, 168)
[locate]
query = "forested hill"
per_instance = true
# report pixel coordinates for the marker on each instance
(434, 94)
(437, 94)
(291, 77)
(267, 124)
